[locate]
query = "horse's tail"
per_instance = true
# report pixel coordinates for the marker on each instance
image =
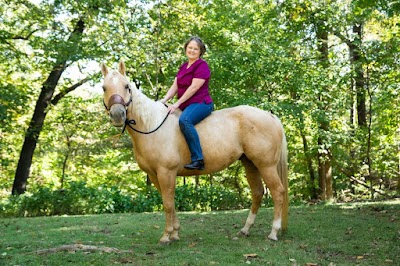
(283, 174)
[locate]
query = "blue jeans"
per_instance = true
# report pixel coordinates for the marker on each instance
(192, 115)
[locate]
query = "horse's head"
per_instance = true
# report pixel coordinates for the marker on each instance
(117, 93)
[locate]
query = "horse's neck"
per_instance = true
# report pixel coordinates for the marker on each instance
(147, 113)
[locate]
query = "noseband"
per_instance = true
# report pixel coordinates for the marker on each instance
(117, 99)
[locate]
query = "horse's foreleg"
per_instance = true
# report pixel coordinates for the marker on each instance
(274, 184)
(166, 181)
(257, 192)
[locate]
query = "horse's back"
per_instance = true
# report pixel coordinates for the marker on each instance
(240, 120)
(230, 133)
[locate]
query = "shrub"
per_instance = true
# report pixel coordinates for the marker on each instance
(78, 198)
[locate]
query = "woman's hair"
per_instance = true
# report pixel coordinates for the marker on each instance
(199, 42)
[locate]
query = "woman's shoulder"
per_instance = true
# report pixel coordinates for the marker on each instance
(201, 63)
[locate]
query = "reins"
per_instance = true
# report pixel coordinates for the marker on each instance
(133, 122)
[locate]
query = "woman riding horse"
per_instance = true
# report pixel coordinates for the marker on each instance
(191, 85)
(245, 133)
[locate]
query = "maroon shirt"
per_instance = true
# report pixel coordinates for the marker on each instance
(198, 69)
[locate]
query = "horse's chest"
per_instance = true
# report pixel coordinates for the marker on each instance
(143, 163)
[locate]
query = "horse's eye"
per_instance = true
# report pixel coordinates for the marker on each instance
(127, 86)
(104, 88)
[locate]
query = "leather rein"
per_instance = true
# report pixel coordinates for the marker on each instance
(117, 99)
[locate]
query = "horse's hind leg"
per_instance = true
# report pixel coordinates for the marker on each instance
(274, 184)
(257, 192)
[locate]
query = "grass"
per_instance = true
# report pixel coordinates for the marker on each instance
(337, 234)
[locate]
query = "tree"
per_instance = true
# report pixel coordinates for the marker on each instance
(64, 54)
(36, 124)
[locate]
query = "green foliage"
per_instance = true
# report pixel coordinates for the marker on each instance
(78, 198)
(261, 54)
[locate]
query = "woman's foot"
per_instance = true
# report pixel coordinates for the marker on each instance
(196, 165)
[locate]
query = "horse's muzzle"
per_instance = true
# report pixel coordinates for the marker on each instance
(118, 115)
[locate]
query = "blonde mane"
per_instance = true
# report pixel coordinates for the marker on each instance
(149, 112)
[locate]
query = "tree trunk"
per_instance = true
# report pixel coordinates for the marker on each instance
(306, 150)
(37, 121)
(324, 160)
(359, 76)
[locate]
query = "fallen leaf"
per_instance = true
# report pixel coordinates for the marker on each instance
(192, 245)
(311, 264)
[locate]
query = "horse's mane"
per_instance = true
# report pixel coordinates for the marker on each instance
(150, 112)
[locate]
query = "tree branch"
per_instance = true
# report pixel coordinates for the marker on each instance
(61, 94)
(20, 37)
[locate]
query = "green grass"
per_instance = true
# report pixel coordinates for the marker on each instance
(337, 234)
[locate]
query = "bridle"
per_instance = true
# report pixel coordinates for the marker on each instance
(117, 99)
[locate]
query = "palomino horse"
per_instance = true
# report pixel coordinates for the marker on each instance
(245, 133)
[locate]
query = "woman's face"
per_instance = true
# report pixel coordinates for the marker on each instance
(193, 50)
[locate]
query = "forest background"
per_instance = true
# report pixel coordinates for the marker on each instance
(328, 69)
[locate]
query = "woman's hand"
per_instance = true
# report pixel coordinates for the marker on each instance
(173, 107)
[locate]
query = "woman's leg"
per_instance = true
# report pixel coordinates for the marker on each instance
(192, 115)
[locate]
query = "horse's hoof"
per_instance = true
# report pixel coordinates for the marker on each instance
(164, 243)
(175, 238)
(273, 237)
(165, 240)
(243, 233)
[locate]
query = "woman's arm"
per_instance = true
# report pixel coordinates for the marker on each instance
(195, 86)
(171, 92)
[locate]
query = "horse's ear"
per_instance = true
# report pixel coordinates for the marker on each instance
(104, 70)
(121, 67)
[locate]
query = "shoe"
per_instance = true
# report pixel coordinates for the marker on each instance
(196, 165)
